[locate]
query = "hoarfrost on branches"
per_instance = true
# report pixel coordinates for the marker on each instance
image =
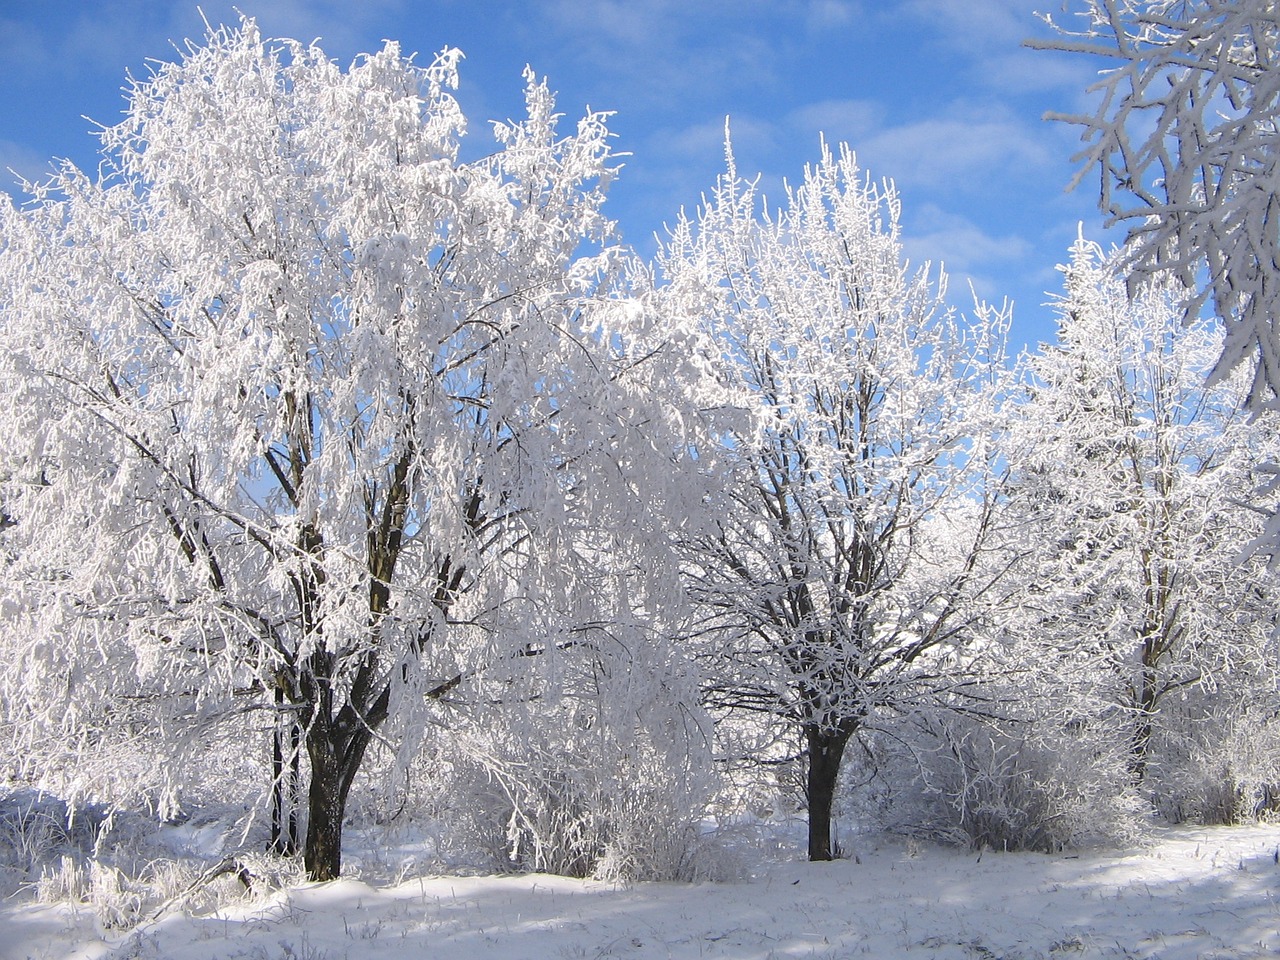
(1140, 479)
(303, 414)
(854, 549)
(1183, 134)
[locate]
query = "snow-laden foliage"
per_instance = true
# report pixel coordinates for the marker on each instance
(1144, 629)
(853, 547)
(334, 463)
(1182, 130)
(1225, 768)
(1037, 777)
(305, 415)
(603, 766)
(1139, 477)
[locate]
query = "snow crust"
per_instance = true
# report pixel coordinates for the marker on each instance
(1190, 894)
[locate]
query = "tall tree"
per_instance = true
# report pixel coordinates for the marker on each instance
(1136, 472)
(296, 400)
(1183, 135)
(835, 586)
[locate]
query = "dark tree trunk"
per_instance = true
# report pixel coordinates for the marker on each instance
(335, 757)
(326, 807)
(337, 735)
(1141, 749)
(1146, 704)
(826, 750)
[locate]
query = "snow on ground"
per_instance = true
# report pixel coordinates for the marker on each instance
(1192, 894)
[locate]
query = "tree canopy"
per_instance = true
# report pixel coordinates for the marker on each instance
(291, 388)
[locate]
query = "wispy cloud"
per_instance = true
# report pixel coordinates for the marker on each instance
(977, 25)
(96, 37)
(700, 141)
(991, 36)
(831, 14)
(848, 121)
(608, 24)
(969, 253)
(682, 164)
(956, 149)
(18, 163)
(22, 46)
(667, 52)
(959, 151)
(342, 28)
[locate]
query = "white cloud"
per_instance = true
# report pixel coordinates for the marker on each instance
(669, 54)
(25, 163)
(706, 138)
(967, 252)
(22, 46)
(989, 23)
(690, 158)
(117, 32)
(1041, 71)
(607, 23)
(680, 144)
(958, 151)
(342, 28)
(992, 36)
(830, 14)
(846, 121)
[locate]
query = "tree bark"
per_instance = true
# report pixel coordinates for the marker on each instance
(1146, 703)
(335, 757)
(826, 750)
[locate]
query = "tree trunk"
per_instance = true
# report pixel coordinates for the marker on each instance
(1147, 702)
(335, 758)
(1141, 749)
(326, 807)
(826, 750)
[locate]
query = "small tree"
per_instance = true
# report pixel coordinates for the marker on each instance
(835, 589)
(1183, 136)
(1135, 472)
(297, 402)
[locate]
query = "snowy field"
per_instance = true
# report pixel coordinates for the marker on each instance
(1191, 894)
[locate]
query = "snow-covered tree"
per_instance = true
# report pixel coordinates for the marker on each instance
(1138, 474)
(1183, 133)
(852, 547)
(301, 412)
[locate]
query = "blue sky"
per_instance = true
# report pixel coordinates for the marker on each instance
(939, 95)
